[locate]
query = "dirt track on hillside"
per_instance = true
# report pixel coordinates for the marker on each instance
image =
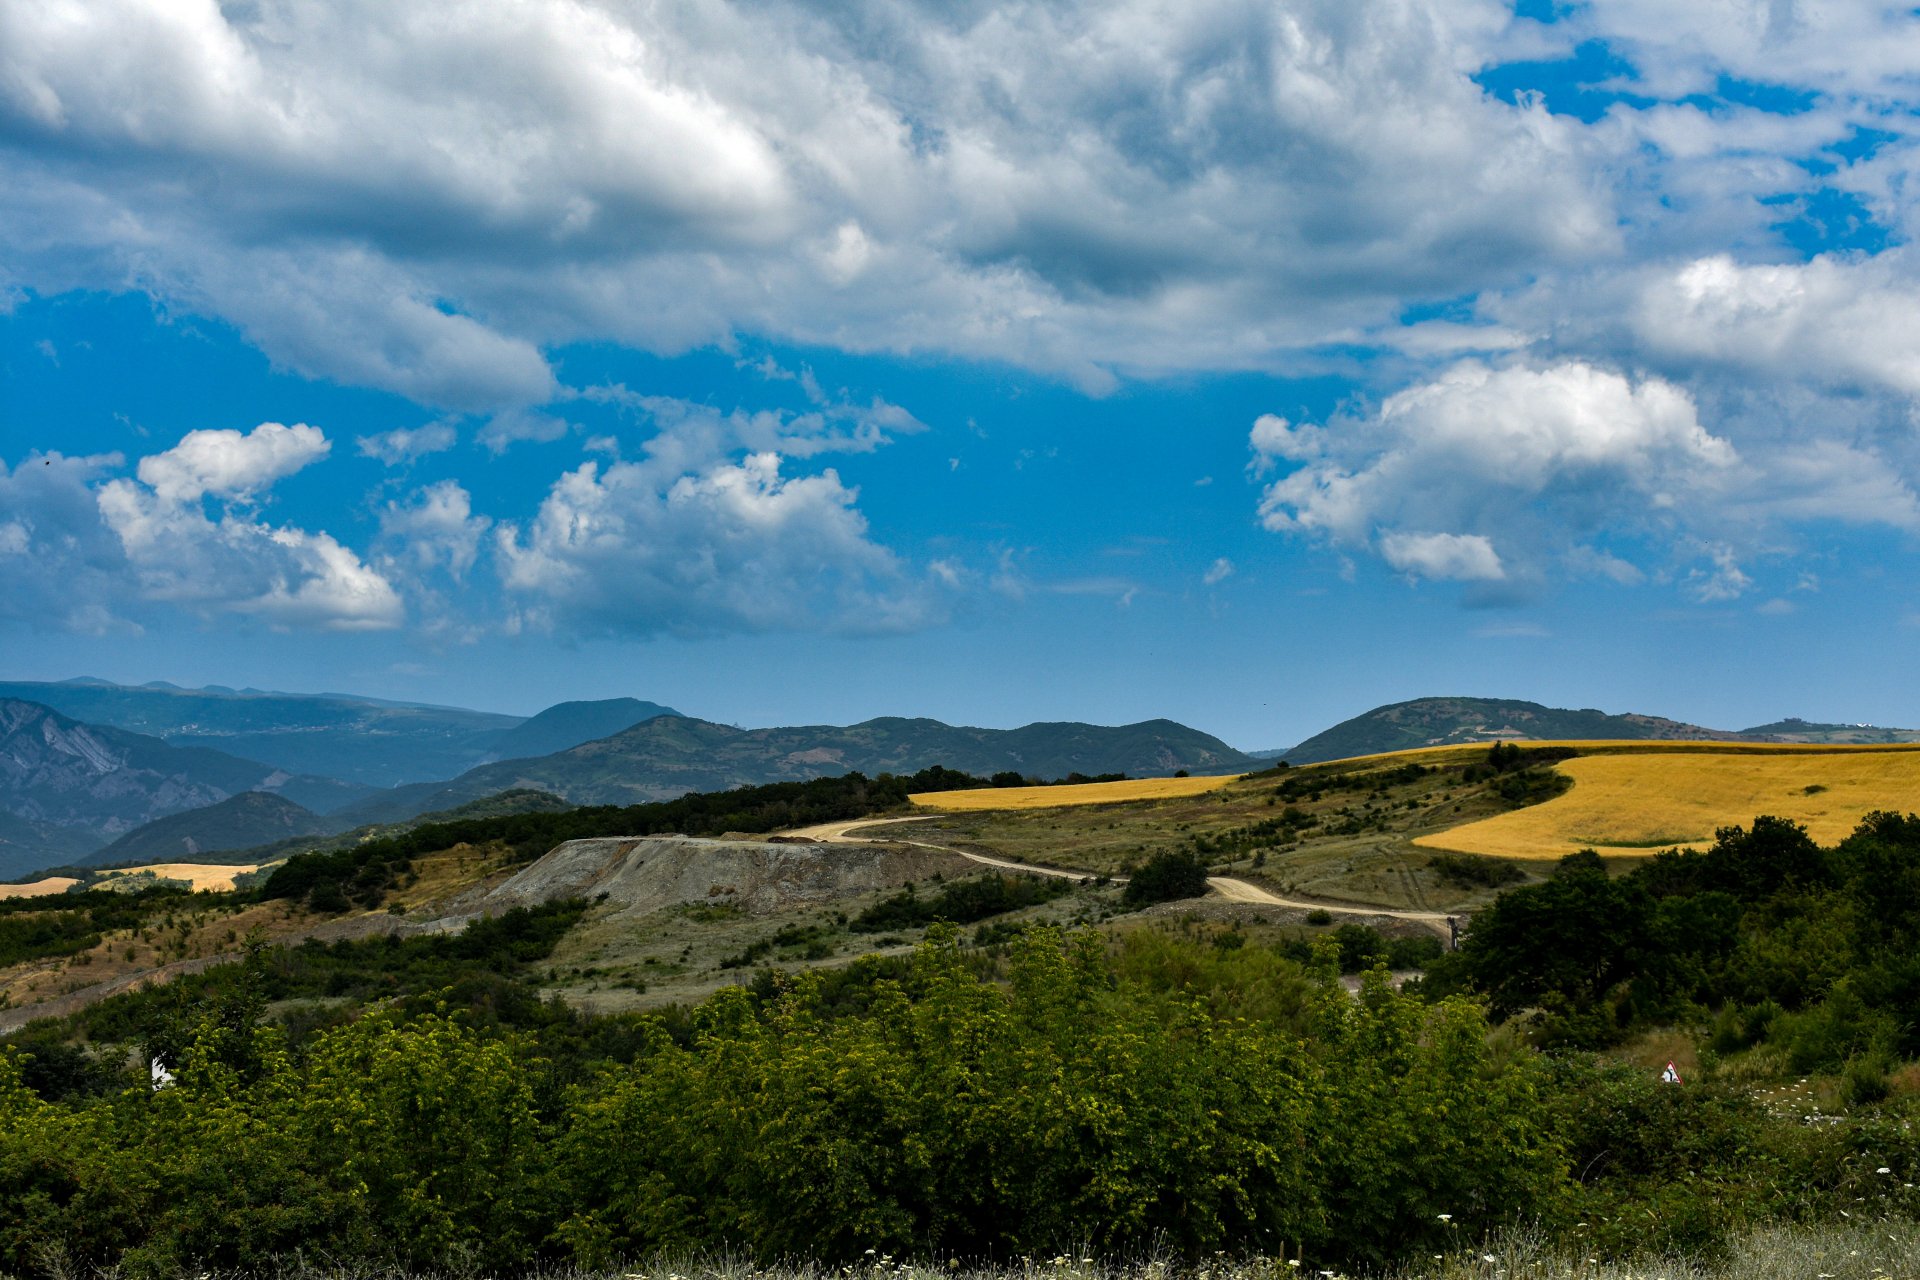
(1226, 887)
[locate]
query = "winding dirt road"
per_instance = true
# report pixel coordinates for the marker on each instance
(1225, 886)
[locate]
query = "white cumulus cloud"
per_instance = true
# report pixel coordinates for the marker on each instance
(177, 555)
(229, 464)
(732, 545)
(1454, 477)
(438, 529)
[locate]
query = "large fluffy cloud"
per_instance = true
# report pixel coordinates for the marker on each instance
(734, 545)
(1486, 472)
(83, 549)
(234, 563)
(422, 200)
(1477, 445)
(706, 532)
(230, 464)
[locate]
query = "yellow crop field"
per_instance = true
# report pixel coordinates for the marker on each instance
(1639, 802)
(200, 875)
(37, 888)
(1064, 796)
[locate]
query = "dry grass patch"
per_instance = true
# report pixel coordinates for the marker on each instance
(1080, 793)
(1639, 802)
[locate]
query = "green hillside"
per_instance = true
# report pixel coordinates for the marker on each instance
(1793, 729)
(1436, 722)
(238, 822)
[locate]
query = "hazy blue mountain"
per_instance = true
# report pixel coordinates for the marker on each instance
(244, 821)
(568, 724)
(94, 783)
(360, 740)
(367, 743)
(670, 755)
(1434, 722)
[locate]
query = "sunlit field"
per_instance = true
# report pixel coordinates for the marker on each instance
(37, 888)
(1642, 801)
(201, 875)
(1063, 796)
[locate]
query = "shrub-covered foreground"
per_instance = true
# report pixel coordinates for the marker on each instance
(941, 1113)
(1162, 1094)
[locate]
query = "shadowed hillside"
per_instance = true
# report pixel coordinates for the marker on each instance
(1439, 722)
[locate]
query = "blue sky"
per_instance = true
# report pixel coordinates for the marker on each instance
(1244, 364)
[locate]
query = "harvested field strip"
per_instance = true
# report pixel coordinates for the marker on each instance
(200, 875)
(52, 884)
(1065, 796)
(1643, 801)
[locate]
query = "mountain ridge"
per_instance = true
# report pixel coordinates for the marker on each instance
(1442, 721)
(669, 756)
(71, 787)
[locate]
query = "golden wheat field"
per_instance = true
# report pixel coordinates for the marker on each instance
(37, 888)
(1628, 802)
(1063, 796)
(200, 875)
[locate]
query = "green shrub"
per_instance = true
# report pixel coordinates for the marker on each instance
(1165, 878)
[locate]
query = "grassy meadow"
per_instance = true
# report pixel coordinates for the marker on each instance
(1640, 801)
(1343, 832)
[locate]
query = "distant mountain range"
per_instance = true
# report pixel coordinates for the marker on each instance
(93, 772)
(365, 741)
(67, 788)
(669, 756)
(1434, 722)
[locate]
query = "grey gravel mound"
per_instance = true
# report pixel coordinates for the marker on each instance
(647, 874)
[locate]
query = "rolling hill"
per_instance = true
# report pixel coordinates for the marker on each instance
(239, 822)
(1439, 722)
(568, 724)
(1637, 799)
(1796, 730)
(668, 756)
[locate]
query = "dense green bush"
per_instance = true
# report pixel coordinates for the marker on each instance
(962, 902)
(1814, 950)
(1166, 877)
